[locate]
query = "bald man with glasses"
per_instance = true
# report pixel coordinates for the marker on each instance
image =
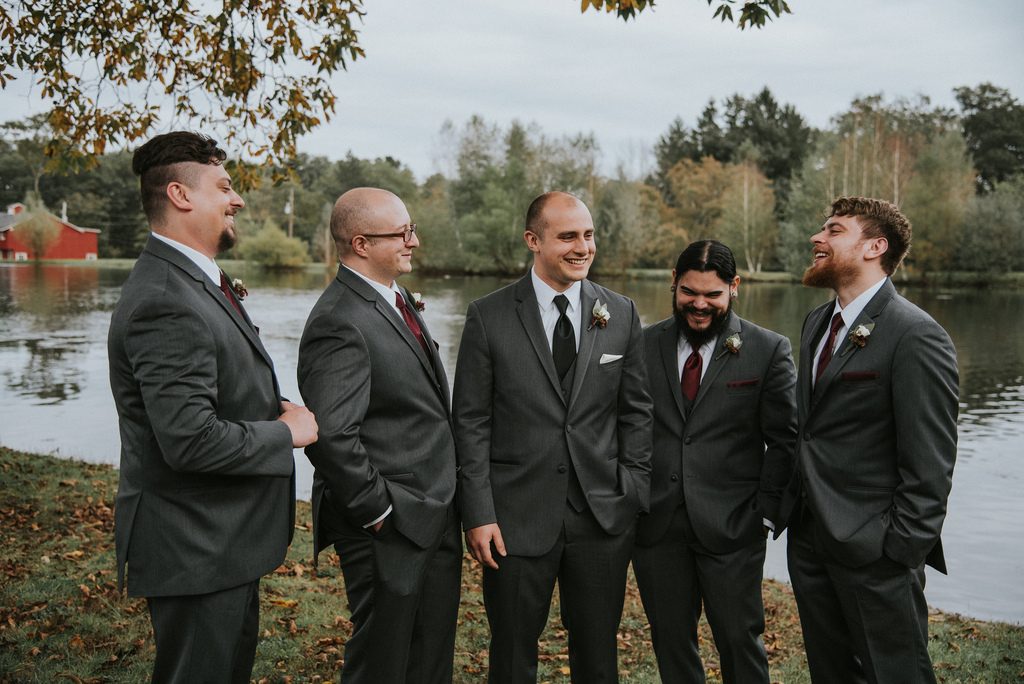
(384, 479)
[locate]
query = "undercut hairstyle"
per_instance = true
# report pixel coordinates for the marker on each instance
(164, 159)
(878, 218)
(707, 255)
(535, 222)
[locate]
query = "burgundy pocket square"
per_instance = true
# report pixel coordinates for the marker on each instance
(855, 376)
(743, 383)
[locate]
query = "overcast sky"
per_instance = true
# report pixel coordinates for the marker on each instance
(542, 61)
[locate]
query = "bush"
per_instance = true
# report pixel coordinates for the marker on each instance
(271, 248)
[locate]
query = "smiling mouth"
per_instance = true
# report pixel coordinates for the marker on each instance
(818, 256)
(577, 261)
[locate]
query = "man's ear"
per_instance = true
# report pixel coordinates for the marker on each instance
(359, 244)
(876, 247)
(178, 194)
(532, 241)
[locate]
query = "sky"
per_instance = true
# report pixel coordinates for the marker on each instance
(543, 62)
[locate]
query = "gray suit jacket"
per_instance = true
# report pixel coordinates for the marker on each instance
(731, 458)
(382, 406)
(206, 499)
(877, 438)
(513, 423)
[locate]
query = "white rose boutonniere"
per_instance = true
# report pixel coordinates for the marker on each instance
(239, 287)
(732, 345)
(417, 301)
(599, 316)
(859, 335)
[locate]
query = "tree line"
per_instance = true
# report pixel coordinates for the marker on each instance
(749, 171)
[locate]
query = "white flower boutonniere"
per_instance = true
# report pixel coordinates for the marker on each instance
(859, 335)
(239, 287)
(599, 316)
(417, 301)
(732, 345)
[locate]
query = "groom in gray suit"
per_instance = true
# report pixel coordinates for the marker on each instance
(724, 429)
(877, 398)
(384, 482)
(206, 500)
(553, 422)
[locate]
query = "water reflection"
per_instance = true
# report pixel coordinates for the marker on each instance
(55, 397)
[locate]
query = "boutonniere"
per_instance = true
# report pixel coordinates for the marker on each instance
(417, 301)
(599, 316)
(239, 287)
(859, 335)
(732, 345)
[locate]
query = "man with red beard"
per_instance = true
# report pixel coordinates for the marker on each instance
(724, 429)
(877, 399)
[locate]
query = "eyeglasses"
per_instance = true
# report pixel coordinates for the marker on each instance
(406, 233)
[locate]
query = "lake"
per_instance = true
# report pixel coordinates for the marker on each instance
(55, 397)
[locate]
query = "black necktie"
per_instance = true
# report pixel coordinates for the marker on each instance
(830, 342)
(563, 340)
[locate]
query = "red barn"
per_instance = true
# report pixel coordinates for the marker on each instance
(73, 242)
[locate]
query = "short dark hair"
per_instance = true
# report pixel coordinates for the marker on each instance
(159, 162)
(535, 222)
(707, 255)
(878, 218)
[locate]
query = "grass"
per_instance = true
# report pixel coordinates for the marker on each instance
(62, 619)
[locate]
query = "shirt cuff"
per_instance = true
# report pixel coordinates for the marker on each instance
(386, 514)
(767, 523)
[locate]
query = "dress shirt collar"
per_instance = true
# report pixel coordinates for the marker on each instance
(546, 295)
(854, 308)
(387, 293)
(684, 348)
(205, 263)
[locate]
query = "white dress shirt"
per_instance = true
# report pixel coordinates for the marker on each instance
(850, 314)
(549, 312)
(684, 349)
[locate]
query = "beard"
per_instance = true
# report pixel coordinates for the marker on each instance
(226, 241)
(831, 275)
(697, 338)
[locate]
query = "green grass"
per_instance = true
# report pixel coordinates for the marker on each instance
(62, 619)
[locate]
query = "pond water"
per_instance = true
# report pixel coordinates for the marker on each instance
(55, 397)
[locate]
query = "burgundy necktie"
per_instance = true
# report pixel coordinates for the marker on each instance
(225, 287)
(410, 321)
(830, 342)
(690, 381)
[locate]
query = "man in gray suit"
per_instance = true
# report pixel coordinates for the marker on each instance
(206, 500)
(384, 480)
(877, 398)
(724, 428)
(553, 422)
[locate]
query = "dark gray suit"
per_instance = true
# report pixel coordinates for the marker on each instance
(206, 495)
(563, 471)
(719, 467)
(382, 405)
(874, 467)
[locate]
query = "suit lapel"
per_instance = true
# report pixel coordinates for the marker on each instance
(668, 344)
(436, 367)
(168, 253)
(367, 292)
(846, 349)
(719, 357)
(814, 328)
(588, 337)
(528, 311)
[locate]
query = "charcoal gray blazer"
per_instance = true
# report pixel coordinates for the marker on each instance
(731, 457)
(206, 499)
(877, 441)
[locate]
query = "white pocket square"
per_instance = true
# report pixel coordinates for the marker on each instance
(608, 358)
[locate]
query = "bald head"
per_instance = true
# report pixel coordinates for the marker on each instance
(361, 211)
(536, 219)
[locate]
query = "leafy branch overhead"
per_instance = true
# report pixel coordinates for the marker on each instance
(253, 71)
(752, 12)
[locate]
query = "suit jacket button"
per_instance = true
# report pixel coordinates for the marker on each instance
(562, 468)
(687, 440)
(674, 477)
(807, 436)
(568, 428)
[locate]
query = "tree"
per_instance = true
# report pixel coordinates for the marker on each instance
(39, 229)
(270, 247)
(994, 219)
(752, 12)
(747, 222)
(253, 71)
(993, 125)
